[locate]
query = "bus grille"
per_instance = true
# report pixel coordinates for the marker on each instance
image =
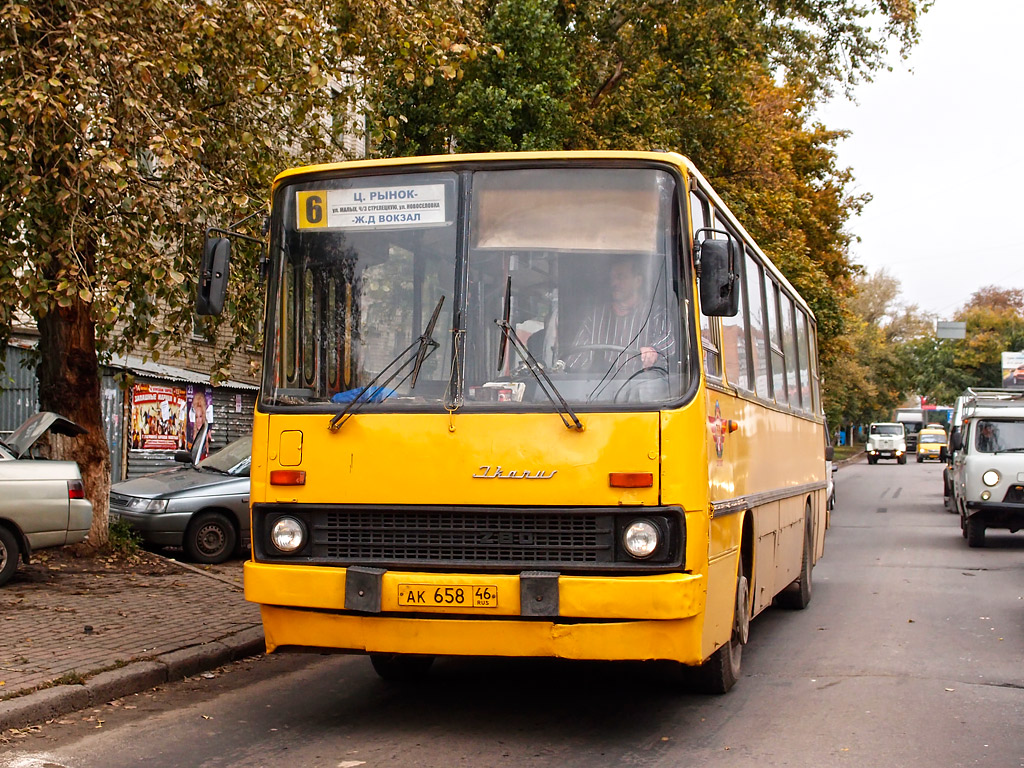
(464, 537)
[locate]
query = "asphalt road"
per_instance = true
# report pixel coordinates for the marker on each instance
(910, 654)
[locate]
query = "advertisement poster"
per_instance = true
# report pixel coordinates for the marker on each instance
(1013, 370)
(158, 417)
(166, 418)
(199, 411)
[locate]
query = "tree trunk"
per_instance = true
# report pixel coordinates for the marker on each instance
(69, 384)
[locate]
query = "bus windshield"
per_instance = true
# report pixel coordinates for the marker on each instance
(584, 262)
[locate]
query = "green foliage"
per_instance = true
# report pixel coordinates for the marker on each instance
(128, 127)
(123, 540)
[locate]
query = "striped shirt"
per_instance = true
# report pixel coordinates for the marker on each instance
(642, 326)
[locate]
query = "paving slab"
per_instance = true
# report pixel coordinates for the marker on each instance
(80, 631)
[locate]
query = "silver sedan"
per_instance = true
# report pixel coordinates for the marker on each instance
(42, 502)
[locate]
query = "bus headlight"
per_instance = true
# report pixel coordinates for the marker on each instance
(641, 538)
(288, 534)
(990, 478)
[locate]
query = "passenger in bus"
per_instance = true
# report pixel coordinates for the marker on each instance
(631, 321)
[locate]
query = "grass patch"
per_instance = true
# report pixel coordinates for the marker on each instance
(846, 451)
(70, 678)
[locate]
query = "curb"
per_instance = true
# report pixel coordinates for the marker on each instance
(851, 459)
(48, 703)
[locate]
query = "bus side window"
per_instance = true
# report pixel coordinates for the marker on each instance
(805, 364)
(709, 337)
(755, 304)
(789, 347)
(735, 344)
(815, 376)
(778, 357)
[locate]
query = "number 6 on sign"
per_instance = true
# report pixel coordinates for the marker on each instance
(312, 209)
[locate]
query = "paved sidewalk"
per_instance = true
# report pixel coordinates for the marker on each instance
(75, 632)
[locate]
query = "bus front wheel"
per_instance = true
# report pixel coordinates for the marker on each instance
(400, 667)
(721, 671)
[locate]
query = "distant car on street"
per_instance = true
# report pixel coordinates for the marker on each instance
(887, 440)
(42, 502)
(202, 507)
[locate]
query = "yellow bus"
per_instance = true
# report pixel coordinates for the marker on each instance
(527, 404)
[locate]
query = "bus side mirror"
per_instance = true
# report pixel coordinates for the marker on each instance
(719, 275)
(213, 275)
(830, 453)
(956, 440)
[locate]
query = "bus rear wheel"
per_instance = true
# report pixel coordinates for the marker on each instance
(720, 672)
(797, 595)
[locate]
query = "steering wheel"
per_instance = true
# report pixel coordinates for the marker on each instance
(597, 348)
(655, 370)
(580, 349)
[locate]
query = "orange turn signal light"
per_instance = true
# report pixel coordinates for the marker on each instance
(631, 479)
(287, 477)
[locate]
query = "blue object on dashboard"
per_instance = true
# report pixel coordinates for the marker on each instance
(375, 395)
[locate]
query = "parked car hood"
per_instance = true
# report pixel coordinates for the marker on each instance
(34, 427)
(180, 482)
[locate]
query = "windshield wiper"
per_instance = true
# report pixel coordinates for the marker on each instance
(212, 469)
(546, 385)
(424, 346)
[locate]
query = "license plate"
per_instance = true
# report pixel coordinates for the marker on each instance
(887, 453)
(448, 595)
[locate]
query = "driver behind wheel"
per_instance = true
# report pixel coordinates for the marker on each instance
(630, 321)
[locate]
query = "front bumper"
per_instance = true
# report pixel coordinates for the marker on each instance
(162, 529)
(534, 614)
(997, 514)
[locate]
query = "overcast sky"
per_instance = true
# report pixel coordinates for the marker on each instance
(939, 144)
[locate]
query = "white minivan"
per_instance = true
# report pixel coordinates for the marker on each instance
(987, 474)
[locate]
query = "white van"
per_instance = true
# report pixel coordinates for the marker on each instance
(987, 474)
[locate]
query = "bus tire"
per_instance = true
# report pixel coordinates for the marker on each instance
(400, 667)
(721, 671)
(797, 595)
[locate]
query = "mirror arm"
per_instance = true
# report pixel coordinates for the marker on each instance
(232, 233)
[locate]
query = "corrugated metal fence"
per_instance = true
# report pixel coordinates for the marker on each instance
(20, 398)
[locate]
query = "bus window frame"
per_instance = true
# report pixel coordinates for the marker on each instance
(682, 279)
(710, 346)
